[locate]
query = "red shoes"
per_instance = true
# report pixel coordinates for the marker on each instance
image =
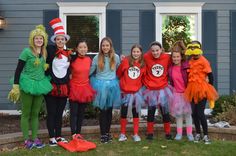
(78, 144)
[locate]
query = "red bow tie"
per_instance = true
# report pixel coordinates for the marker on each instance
(60, 52)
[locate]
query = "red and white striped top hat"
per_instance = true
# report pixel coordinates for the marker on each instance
(58, 28)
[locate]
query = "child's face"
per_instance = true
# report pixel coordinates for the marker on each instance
(176, 58)
(156, 51)
(82, 48)
(60, 41)
(106, 47)
(38, 41)
(136, 53)
(195, 57)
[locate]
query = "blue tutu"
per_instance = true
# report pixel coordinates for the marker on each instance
(108, 93)
(135, 100)
(162, 97)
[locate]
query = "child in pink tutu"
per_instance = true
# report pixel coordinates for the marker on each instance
(81, 92)
(180, 108)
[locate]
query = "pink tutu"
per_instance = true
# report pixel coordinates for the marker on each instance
(162, 97)
(179, 105)
(81, 93)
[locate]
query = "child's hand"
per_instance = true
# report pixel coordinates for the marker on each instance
(122, 57)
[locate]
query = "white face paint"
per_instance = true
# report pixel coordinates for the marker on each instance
(157, 70)
(133, 72)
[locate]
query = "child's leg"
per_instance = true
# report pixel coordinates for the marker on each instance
(202, 117)
(51, 103)
(195, 117)
(150, 119)
(166, 121)
(60, 108)
(81, 110)
(37, 104)
(73, 116)
(109, 119)
(123, 120)
(26, 104)
(103, 121)
(135, 120)
(188, 120)
(179, 125)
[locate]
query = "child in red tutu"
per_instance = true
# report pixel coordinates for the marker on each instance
(81, 92)
(130, 72)
(200, 88)
(180, 108)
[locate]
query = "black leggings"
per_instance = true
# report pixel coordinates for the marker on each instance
(55, 108)
(105, 118)
(76, 116)
(151, 114)
(124, 111)
(199, 116)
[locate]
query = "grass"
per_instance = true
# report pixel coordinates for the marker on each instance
(144, 148)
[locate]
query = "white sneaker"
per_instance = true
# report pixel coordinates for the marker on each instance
(52, 142)
(122, 137)
(206, 140)
(136, 138)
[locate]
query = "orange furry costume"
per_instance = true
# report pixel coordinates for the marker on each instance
(198, 87)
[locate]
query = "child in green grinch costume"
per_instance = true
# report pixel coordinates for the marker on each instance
(30, 83)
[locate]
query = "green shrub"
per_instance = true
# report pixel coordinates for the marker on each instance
(225, 109)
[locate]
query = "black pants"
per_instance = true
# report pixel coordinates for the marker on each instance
(76, 116)
(151, 114)
(199, 116)
(55, 108)
(124, 111)
(105, 118)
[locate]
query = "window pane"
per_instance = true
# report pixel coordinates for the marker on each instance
(177, 27)
(83, 27)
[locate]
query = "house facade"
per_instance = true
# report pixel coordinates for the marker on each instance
(126, 22)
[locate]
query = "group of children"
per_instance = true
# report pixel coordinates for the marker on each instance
(155, 80)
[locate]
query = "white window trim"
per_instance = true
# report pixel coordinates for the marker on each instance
(85, 8)
(178, 8)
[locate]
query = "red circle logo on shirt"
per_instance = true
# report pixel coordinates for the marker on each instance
(157, 70)
(133, 72)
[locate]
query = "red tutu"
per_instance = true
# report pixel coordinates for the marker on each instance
(81, 93)
(60, 90)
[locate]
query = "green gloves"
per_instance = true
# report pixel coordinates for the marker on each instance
(14, 94)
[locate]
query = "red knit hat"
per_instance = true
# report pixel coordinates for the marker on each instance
(58, 28)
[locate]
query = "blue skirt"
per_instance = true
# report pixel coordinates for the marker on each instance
(108, 93)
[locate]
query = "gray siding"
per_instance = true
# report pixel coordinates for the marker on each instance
(23, 15)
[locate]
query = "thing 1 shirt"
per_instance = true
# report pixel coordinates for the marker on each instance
(130, 76)
(156, 76)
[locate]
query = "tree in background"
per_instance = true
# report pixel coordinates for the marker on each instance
(176, 28)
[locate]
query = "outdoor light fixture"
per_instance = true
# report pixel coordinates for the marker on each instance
(3, 22)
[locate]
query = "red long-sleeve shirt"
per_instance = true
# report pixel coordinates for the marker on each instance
(130, 77)
(156, 76)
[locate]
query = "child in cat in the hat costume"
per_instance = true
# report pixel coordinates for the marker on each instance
(30, 83)
(59, 62)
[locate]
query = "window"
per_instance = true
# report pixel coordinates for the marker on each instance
(84, 20)
(191, 11)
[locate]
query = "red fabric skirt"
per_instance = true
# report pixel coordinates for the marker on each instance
(81, 93)
(60, 90)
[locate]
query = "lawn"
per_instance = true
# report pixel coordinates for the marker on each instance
(144, 148)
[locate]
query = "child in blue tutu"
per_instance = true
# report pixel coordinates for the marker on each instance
(130, 73)
(106, 84)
